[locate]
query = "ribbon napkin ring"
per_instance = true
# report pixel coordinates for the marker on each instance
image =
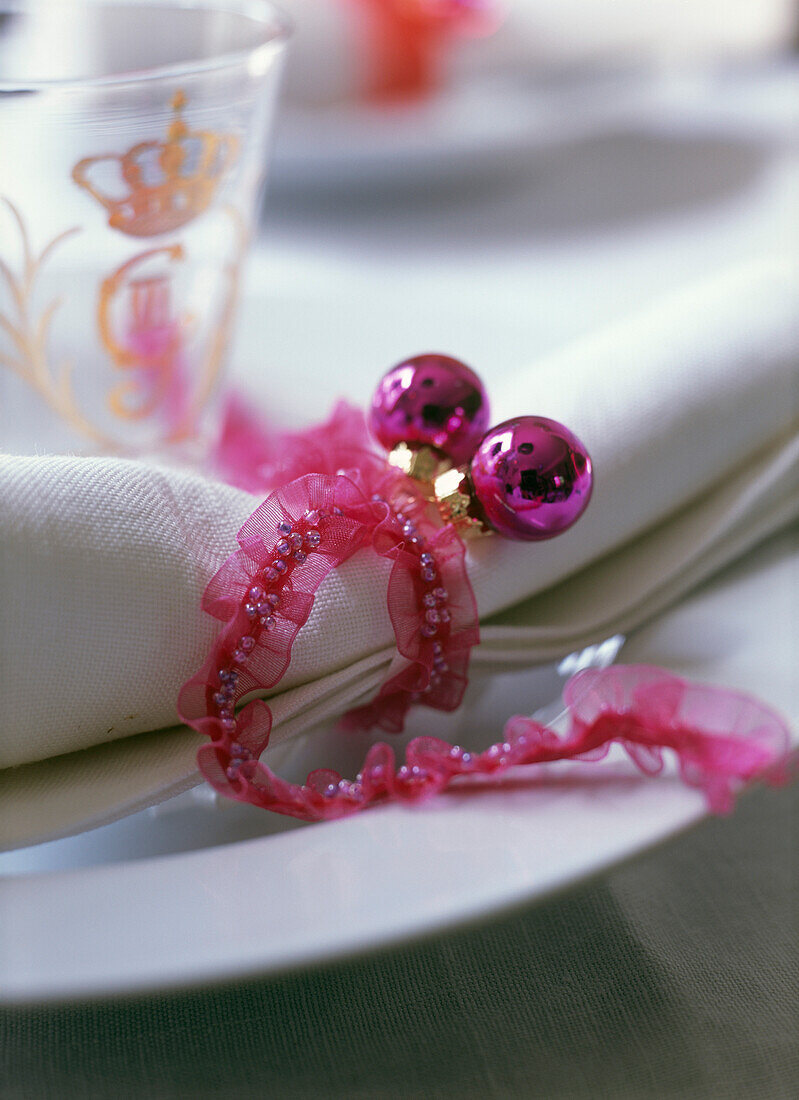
(445, 473)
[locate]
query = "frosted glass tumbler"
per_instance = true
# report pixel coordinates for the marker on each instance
(133, 145)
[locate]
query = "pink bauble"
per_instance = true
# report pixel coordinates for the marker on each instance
(532, 478)
(431, 400)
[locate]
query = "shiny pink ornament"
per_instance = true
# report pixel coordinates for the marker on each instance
(431, 400)
(532, 478)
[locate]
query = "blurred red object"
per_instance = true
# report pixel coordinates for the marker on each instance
(407, 41)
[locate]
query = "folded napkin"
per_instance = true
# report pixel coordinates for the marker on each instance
(690, 413)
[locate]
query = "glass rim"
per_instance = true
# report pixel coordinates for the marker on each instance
(277, 27)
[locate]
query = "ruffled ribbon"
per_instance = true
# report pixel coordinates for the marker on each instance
(314, 522)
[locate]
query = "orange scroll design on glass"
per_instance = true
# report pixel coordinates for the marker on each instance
(166, 183)
(28, 335)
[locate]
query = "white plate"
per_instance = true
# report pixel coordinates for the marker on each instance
(241, 892)
(314, 894)
(500, 120)
(486, 123)
(104, 914)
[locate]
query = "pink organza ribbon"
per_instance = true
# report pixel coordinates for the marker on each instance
(352, 500)
(393, 519)
(331, 518)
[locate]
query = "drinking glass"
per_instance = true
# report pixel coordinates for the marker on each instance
(132, 151)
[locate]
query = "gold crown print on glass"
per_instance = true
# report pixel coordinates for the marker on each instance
(165, 184)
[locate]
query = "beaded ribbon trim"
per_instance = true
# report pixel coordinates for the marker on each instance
(430, 599)
(264, 594)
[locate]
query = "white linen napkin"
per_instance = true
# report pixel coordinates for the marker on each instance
(689, 411)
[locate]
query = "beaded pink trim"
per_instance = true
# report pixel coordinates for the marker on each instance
(721, 740)
(430, 599)
(264, 594)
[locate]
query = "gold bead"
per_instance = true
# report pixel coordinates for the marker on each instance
(453, 494)
(423, 464)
